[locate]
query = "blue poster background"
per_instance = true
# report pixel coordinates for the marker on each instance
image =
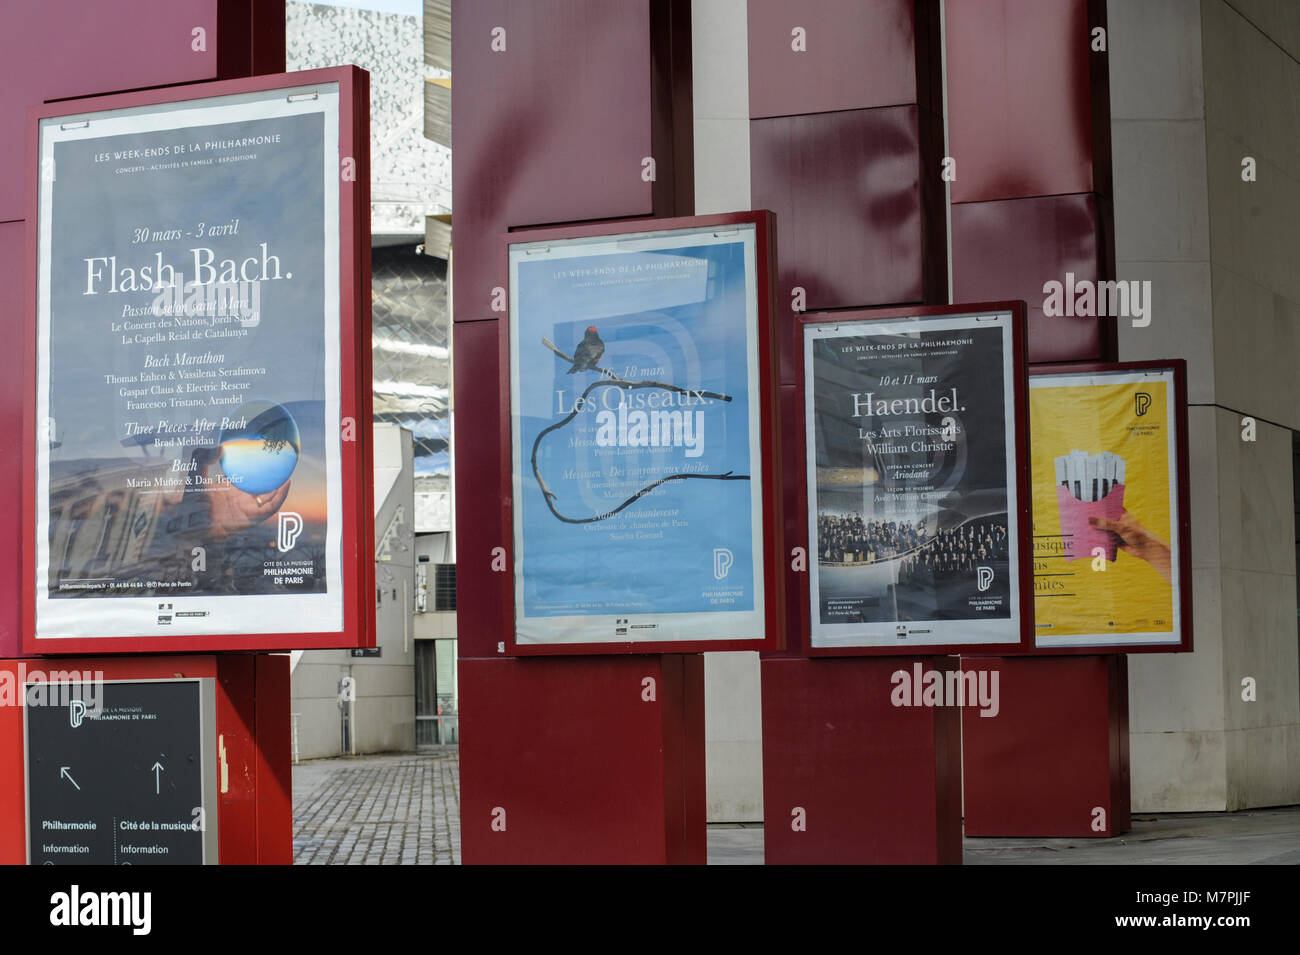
(674, 317)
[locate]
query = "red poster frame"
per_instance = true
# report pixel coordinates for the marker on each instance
(765, 387)
(356, 456)
(1024, 510)
(1183, 518)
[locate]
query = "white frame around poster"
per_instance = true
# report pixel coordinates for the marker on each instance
(618, 626)
(930, 635)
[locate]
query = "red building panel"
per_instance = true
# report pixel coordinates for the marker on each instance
(859, 217)
(13, 782)
(869, 782)
(480, 498)
(59, 49)
(1010, 249)
(1028, 99)
(254, 756)
(1054, 761)
(237, 758)
(582, 760)
(851, 54)
(551, 128)
(252, 35)
(274, 759)
(11, 436)
(794, 515)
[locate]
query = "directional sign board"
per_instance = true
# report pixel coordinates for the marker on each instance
(121, 773)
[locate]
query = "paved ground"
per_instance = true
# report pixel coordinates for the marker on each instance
(372, 810)
(405, 809)
(1251, 837)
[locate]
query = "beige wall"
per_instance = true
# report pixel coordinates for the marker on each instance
(1252, 108)
(733, 724)
(1196, 86)
(384, 711)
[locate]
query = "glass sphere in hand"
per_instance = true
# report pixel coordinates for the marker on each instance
(260, 447)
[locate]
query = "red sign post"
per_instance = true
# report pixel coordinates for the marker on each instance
(1055, 762)
(913, 521)
(196, 453)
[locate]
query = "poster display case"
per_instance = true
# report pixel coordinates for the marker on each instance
(916, 483)
(1111, 552)
(637, 370)
(197, 446)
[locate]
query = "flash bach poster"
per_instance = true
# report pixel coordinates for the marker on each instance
(635, 428)
(188, 369)
(912, 510)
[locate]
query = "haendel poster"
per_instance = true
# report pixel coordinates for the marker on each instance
(635, 426)
(188, 369)
(1105, 485)
(912, 493)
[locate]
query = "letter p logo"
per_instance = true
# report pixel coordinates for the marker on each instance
(288, 527)
(722, 561)
(983, 578)
(1141, 402)
(76, 712)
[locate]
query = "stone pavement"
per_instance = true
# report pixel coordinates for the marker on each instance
(1248, 837)
(405, 809)
(372, 810)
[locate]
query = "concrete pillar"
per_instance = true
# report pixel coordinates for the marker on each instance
(1196, 88)
(733, 722)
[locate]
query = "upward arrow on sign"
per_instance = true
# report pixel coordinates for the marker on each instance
(157, 768)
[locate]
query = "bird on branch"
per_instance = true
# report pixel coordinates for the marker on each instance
(585, 357)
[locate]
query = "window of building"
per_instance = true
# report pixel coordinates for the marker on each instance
(444, 587)
(436, 716)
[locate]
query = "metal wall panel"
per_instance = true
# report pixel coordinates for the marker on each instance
(857, 54)
(1021, 99)
(858, 214)
(63, 48)
(11, 436)
(1056, 753)
(479, 493)
(565, 761)
(878, 784)
(1009, 249)
(551, 129)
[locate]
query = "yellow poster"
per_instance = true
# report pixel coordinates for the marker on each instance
(1105, 487)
